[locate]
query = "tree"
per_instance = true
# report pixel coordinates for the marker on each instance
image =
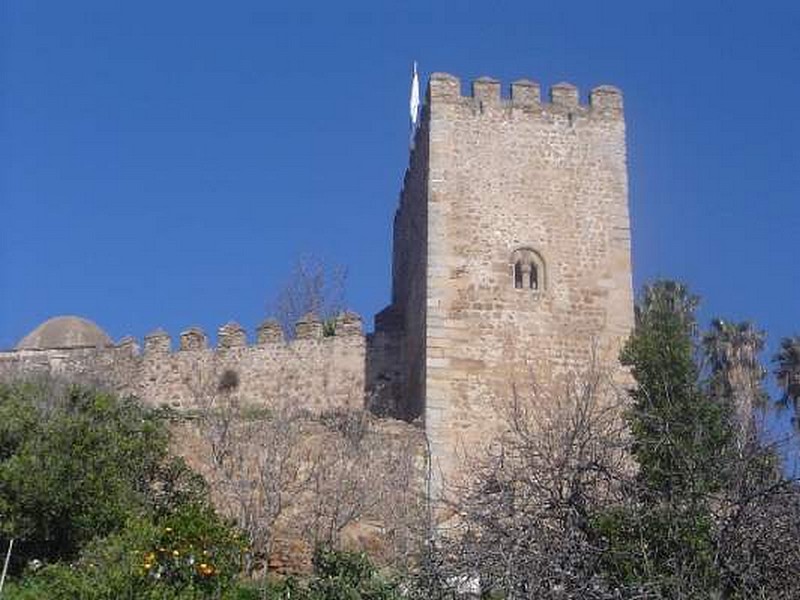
(663, 539)
(524, 525)
(736, 373)
(94, 499)
(758, 527)
(788, 368)
(679, 436)
(189, 555)
(313, 287)
(253, 459)
(76, 463)
(287, 474)
(709, 499)
(673, 500)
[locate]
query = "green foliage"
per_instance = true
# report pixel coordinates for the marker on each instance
(101, 511)
(192, 549)
(88, 488)
(680, 435)
(347, 576)
(665, 537)
(75, 465)
(656, 546)
(337, 575)
(329, 327)
(787, 369)
(189, 554)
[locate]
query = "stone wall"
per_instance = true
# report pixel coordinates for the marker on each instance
(511, 266)
(400, 328)
(342, 477)
(518, 183)
(312, 371)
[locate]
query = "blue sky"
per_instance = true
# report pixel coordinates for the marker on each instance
(163, 163)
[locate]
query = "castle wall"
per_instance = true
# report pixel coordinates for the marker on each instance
(547, 179)
(493, 185)
(400, 328)
(312, 371)
(350, 474)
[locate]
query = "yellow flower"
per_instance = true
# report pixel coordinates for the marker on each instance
(175, 553)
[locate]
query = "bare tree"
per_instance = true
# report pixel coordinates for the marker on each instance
(290, 475)
(758, 515)
(255, 460)
(523, 524)
(365, 474)
(313, 287)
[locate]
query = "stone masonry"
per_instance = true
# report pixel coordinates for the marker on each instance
(312, 371)
(511, 257)
(511, 264)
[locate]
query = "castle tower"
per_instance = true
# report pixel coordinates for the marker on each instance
(511, 255)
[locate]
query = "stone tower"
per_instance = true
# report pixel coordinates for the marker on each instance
(511, 255)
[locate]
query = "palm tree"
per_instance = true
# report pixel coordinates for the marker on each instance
(665, 297)
(737, 374)
(788, 368)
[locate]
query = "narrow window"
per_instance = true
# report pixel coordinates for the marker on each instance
(534, 277)
(518, 275)
(528, 269)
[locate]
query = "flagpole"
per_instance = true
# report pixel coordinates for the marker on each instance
(413, 105)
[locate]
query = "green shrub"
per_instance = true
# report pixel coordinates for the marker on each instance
(337, 576)
(76, 464)
(88, 487)
(189, 554)
(347, 576)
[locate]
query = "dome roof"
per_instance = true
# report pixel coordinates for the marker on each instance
(65, 332)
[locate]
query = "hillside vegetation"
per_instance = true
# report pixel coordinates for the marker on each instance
(664, 486)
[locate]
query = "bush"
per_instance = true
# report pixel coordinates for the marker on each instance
(347, 576)
(189, 554)
(88, 487)
(76, 464)
(337, 576)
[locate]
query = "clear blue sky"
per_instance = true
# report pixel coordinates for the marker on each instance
(163, 163)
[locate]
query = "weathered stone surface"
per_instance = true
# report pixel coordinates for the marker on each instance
(309, 327)
(65, 332)
(232, 335)
(511, 254)
(511, 264)
(315, 373)
(194, 338)
(269, 332)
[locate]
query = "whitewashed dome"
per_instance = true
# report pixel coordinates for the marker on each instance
(65, 332)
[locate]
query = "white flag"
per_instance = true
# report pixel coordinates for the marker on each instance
(414, 103)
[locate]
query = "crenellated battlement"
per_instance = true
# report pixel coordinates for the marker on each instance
(603, 101)
(511, 264)
(157, 342)
(194, 338)
(232, 335)
(322, 367)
